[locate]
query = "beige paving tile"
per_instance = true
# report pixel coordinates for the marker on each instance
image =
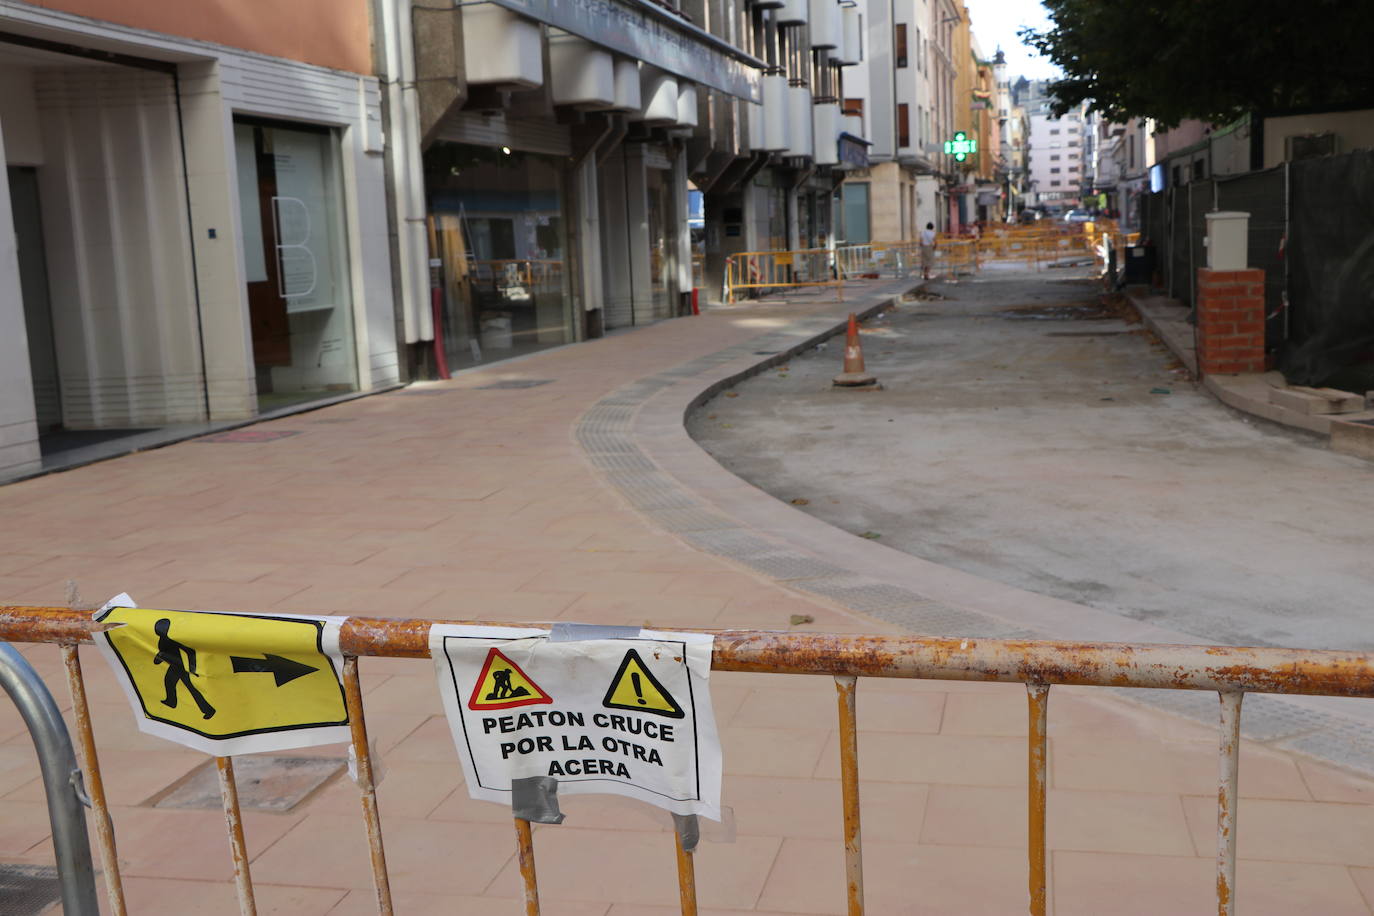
(1093, 821)
(621, 868)
(332, 851)
(169, 897)
(772, 751)
(952, 759)
(430, 742)
(1087, 883)
(818, 708)
(391, 601)
(193, 845)
(1364, 880)
(1326, 783)
(521, 607)
(1137, 765)
(407, 790)
(362, 903)
(903, 878)
(1290, 831)
(25, 826)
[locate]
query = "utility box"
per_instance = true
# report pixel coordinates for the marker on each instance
(1228, 237)
(1140, 265)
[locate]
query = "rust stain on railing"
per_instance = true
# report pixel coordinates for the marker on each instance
(1229, 671)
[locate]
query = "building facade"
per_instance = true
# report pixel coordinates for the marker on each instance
(192, 225)
(906, 97)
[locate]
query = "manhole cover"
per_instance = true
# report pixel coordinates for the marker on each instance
(516, 383)
(26, 890)
(264, 783)
(251, 435)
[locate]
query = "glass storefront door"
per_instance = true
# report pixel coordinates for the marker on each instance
(661, 253)
(496, 223)
(296, 260)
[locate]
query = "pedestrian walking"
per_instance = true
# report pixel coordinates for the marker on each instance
(927, 250)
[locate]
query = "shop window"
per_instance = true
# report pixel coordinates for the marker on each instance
(856, 212)
(496, 223)
(296, 262)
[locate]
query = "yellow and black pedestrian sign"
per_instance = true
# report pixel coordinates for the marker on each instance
(502, 685)
(634, 687)
(229, 683)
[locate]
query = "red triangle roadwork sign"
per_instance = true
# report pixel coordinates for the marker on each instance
(502, 685)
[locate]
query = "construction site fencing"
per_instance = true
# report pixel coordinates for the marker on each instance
(1039, 665)
(761, 271)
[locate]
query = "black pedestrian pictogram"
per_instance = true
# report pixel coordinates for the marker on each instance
(501, 688)
(169, 653)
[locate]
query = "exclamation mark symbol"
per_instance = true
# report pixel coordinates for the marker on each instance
(639, 691)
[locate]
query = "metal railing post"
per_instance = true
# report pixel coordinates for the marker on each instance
(61, 780)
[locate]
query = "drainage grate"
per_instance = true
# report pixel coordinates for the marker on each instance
(250, 435)
(425, 392)
(1085, 333)
(515, 383)
(264, 783)
(27, 890)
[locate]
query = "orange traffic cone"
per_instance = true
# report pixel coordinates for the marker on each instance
(854, 375)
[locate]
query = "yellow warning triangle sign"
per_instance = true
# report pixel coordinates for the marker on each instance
(635, 688)
(502, 685)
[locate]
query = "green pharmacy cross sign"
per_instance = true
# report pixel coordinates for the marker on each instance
(961, 147)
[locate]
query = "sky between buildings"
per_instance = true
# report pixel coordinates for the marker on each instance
(996, 23)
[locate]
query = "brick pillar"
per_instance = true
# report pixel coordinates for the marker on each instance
(1230, 321)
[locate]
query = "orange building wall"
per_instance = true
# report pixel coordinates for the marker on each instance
(328, 33)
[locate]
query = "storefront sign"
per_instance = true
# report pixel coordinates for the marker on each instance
(630, 28)
(961, 147)
(623, 716)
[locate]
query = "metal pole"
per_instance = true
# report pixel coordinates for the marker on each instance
(525, 849)
(1227, 781)
(686, 878)
(1038, 696)
(367, 786)
(845, 687)
(61, 780)
(95, 785)
(233, 820)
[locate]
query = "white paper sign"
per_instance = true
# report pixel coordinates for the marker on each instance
(629, 716)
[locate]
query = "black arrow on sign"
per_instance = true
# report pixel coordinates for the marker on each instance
(283, 670)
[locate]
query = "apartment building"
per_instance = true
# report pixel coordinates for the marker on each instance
(1056, 148)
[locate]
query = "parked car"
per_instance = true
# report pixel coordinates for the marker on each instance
(1078, 216)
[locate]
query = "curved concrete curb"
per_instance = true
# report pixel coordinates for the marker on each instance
(1249, 393)
(636, 437)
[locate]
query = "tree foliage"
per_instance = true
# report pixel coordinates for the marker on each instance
(1208, 59)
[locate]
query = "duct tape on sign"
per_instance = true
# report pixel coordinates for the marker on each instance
(628, 716)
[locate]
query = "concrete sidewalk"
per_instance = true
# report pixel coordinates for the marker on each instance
(581, 499)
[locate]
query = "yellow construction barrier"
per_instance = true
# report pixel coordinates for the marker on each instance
(765, 270)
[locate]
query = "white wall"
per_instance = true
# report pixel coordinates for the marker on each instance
(18, 431)
(121, 283)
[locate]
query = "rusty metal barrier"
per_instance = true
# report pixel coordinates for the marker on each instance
(766, 270)
(1230, 672)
